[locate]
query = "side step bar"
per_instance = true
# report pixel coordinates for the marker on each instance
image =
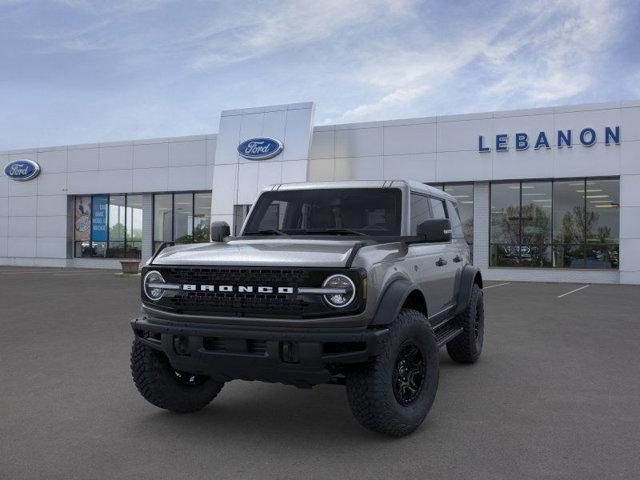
(446, 334)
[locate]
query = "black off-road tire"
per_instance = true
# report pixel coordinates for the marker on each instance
(372, 389)
(467, 347)
(160, 384)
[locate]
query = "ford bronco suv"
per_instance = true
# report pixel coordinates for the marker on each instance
(348, 283)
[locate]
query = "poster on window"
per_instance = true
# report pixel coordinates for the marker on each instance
(83, 219)
(99, 218)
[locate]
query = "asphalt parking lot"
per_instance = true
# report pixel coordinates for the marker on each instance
(555, 395)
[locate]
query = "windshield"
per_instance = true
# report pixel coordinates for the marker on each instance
(352, 211)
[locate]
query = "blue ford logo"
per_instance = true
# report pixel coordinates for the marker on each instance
(22, 170)
(260, 148)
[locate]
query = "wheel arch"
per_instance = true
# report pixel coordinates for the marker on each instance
(400, 293)
(470, 276)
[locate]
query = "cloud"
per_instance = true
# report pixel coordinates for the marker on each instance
(255, 33)
(541, 53)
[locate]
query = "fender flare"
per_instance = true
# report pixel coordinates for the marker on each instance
(392, 300)
(467, 279)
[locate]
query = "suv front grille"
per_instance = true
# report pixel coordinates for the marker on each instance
(271, 305)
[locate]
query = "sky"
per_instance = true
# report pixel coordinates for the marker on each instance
(80, 71)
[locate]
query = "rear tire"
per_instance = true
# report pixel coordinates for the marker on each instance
(467, 347)
(165, 387)
(394, 392)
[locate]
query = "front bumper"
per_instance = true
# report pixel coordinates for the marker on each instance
(285, 355)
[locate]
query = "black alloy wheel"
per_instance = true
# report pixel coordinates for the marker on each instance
(408, 373)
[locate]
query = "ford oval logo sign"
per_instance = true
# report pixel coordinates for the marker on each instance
(260, 148)
(22, 170)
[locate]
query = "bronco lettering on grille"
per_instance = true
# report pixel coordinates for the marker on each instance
(190, 287)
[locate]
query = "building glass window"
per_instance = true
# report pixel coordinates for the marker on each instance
(182, 217)
(463, 193)
(108, 226)
(505, 224)
(162, 219)
(562, 224)
(201, 217)
(117, 219)
(134, 226)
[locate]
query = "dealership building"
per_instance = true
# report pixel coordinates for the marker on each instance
(548, 194)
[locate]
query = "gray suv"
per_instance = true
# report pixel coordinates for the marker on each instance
(347, 283)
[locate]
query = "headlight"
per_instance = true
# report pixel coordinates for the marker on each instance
(152, 285)
(344, 291)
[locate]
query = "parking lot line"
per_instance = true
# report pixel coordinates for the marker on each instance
(496, 285)
(573, 291)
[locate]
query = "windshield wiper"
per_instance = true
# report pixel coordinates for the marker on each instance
(267, 232)
(336, 231)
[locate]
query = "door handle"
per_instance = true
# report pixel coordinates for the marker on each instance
(457, 258)
(441, 262)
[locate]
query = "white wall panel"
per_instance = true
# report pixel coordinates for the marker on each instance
(84, 182)
(83, 159)
(463, 166)
(269, 174)
(150, 180)
(118, 157)
(247, 183)
(274, 125)
(22, 206)
(188, 178)
(52, 161)
(596, 119)
(630, 124)
(321, 170)
(528, 163)
(21, 246)
(228, 139)
(294, 171)
(421, 167)
(322, 144)
(115, 181)
(362, 168)
(51, 247)
(358, 142)
(420, 138)
(151, 155)
(52, 183)
(224, 189)
(188, 153)
(52, 226)
(51, 205)
(22, 227)
(22, 189)
(581, 161)
(630, 191)
(630, 157)
(463, 135)
(297, 136)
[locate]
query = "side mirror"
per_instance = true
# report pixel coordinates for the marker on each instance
(219, 230)
(435, 230)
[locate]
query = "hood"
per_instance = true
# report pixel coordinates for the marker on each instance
(260, 252)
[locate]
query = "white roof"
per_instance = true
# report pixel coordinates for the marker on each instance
(412, 185)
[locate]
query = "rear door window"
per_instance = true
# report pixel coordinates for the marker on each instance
(420, 211)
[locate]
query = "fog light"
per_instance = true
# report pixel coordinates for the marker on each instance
(344, 291)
